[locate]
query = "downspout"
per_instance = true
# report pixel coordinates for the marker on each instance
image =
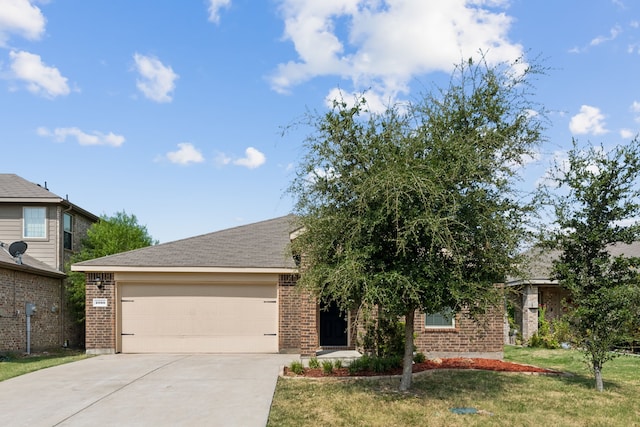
(63, 305)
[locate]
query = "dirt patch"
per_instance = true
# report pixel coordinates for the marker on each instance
(449, 363)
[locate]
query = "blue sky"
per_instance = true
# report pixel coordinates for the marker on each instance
(173, 111)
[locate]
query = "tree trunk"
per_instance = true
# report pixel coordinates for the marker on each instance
(407, 362)
(597, 371)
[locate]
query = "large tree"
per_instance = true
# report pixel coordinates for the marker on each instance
(110, 235)
(415, 208)
(596, 206)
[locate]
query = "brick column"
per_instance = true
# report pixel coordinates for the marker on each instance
(309, 320)
(529, 311)
(289, 314)
(101, 319)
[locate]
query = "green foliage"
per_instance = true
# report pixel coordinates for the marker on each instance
(416, 207)
(314, 363)
(375, 364)
(384, 335)
(596, 206)
(562, 331)
(110, 235)
(327, 366)
(338, 364)
(419, 357)
(545, 337)
(296, 367)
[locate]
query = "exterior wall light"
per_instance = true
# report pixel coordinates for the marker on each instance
(98, 282)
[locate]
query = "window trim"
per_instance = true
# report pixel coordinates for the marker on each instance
(451, 326)
(65, 231)
(24, 223)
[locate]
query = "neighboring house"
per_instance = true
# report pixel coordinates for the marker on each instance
(52, 228)
(538, 289)
(234, 291)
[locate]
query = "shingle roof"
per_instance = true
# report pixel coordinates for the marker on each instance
(29, 264)
(259, 245)
(539, 261)
(14, 187)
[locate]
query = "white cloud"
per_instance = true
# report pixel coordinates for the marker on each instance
(626, 133)
(214, 9)
(635, 108)
(185, 154)
(222, 159)
(383, 45)
(41, 79)
(83, 138)
(589, 121)
(156, 80)
(22, 18)
(253, 159)
(613, 34)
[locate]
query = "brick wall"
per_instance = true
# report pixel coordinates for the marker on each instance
(100, 321)
(309, 321)
(47, 324)
(288, 314)
(469, 338)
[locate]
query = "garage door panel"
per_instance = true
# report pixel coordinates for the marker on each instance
(196, 344)
(203, 318)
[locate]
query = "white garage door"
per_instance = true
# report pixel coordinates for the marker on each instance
(194, 318)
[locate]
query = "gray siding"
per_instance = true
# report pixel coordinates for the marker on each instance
(10, 223)
(45, 250)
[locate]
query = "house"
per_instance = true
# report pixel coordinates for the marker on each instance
(235, 291)
(537, 289)
(51, 228)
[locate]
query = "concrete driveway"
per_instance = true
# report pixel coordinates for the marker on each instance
(146, 390)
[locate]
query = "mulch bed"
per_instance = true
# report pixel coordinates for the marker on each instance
(448, 363)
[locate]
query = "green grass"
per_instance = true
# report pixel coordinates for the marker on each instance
(14, 364)
(504, 398)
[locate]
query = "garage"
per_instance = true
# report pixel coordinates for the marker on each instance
(198, 318)
(230, 291)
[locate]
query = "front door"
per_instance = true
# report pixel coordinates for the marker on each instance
(333, 326)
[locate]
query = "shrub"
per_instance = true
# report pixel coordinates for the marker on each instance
(296, 367)
(375, 364)
(313, 363)
(562, 330)
(384, 336)
(359, 365)
(544, 337)
(338, 364)
(419, 357)
(327, 366)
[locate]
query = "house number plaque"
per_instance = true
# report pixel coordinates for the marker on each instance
(100, 302)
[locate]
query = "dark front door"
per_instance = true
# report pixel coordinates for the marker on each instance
(333, 326)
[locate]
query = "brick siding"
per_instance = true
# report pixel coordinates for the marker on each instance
(49, 325)
(483, 338)
(101, 321)
(288, 314)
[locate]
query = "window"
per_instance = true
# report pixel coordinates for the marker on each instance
(68, 231)
(35, 223)
(443, 320)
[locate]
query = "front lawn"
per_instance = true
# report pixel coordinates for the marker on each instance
(500, 398)
(14, 364)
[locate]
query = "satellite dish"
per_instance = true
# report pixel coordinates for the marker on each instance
(17, 248)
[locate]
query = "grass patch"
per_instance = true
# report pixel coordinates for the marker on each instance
(503, 398)
(15, 364)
